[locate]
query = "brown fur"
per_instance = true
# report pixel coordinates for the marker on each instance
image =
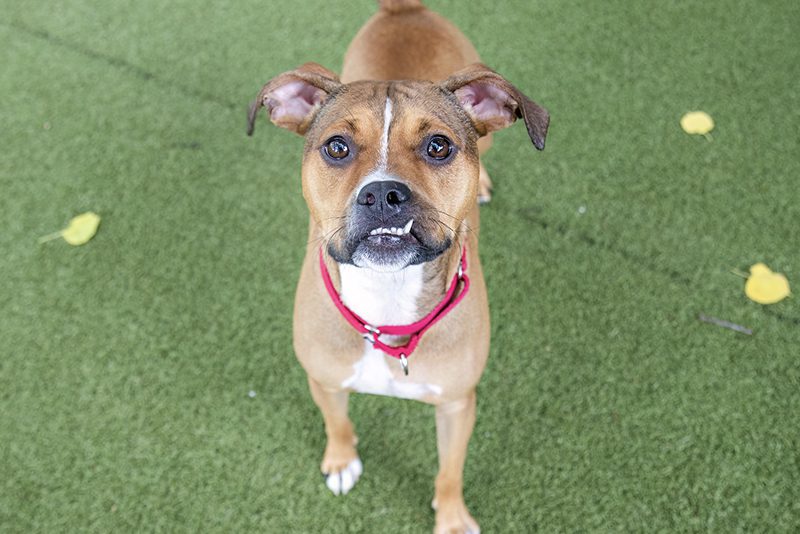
(432, 48)
(361, 105)
(398, 6)
(403, 41)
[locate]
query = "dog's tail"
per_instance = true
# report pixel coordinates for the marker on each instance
(400, 6)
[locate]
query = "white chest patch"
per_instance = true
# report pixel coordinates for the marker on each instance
(383, 299)
(373, 375)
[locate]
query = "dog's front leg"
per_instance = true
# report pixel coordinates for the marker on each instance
(340, 463)
(454, 423)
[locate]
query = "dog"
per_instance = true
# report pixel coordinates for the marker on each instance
(391, 298)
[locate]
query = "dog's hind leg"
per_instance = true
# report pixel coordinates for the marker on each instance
(484, 182)
(340, 463)
(484, 186)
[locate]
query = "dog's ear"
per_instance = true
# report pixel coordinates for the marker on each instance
(293, 98)
(493, 103)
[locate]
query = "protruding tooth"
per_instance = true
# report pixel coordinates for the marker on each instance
(394, 231)
(374, 232)
(407, 227)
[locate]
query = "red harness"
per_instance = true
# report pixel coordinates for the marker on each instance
(413, 330)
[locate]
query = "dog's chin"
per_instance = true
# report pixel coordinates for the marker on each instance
(387, 253)
(384, 254)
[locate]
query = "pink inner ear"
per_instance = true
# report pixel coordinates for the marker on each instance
(293, 100)
(488, 104)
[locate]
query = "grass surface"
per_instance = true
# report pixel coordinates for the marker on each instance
(125, 364)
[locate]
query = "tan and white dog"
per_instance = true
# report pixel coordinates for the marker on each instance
(391, 173)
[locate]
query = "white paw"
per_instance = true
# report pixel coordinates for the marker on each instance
(343, 481)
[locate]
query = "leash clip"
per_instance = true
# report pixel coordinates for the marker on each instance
(404, 363)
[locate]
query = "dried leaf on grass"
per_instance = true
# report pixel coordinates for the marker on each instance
(764, 286)
(698, 123)
(79, 231)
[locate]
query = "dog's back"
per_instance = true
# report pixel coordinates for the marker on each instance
(406, 41)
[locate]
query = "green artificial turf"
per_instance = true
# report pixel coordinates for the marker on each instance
(126, 364)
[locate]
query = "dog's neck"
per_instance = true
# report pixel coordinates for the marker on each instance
(394, 298)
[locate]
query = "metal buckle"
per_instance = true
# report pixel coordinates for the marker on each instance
(371, 334)
(404, 363)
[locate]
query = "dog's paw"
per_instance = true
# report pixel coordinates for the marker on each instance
(341, 481)
(454, 520)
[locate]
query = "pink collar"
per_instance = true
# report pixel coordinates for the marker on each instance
(413, 330)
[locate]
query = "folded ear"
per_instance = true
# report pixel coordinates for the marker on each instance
(493, 103)
(293, 98)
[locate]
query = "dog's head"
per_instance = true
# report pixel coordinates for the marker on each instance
(390, 169)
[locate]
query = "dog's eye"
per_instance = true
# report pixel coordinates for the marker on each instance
(439, 148)
(336, 148)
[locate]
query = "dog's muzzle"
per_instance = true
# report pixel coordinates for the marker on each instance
(387, 229)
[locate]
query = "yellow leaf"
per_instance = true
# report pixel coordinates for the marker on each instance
(764, 286)
(697, 122)
(79, 230)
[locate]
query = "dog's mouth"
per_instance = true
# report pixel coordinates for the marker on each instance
(388, 247)
(392, 236)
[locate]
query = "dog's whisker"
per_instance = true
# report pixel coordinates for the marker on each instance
(447, 226)
(330, 237)
(326, 237)
(455, 234)
(467, 228)
(442, 213)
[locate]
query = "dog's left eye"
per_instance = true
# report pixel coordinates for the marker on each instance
(439, 148)
(336, 148)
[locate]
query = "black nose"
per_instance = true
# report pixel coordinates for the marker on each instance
(385, 195)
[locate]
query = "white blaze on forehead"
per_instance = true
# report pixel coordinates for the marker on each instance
(379, 173)
(387, 121)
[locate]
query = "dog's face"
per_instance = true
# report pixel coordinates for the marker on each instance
(390, 169)
(389, 172)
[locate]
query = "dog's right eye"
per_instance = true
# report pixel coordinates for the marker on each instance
(336, 148)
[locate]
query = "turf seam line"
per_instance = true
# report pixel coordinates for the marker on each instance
(531, 214)
(121, 64)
